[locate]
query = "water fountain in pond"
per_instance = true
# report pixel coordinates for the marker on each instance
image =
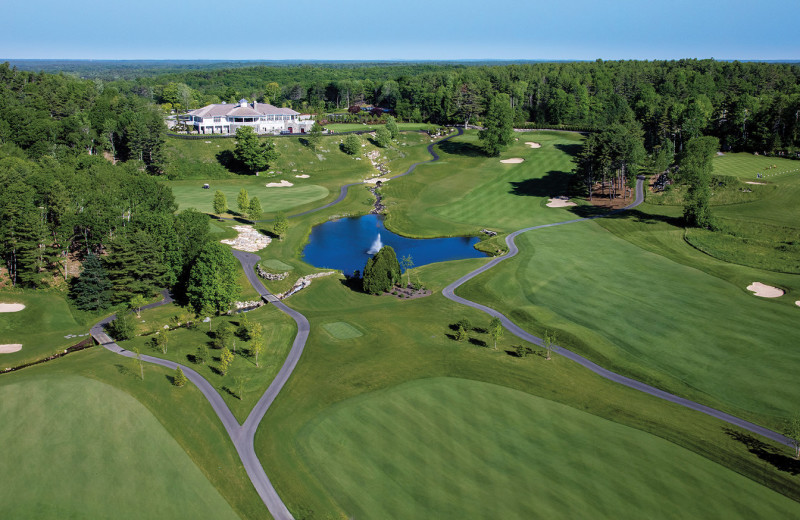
(376, 245)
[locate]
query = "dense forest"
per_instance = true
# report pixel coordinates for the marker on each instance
(77, 156)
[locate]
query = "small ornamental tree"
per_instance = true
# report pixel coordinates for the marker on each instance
(382, 271)
(179, 379)
(223, 334)
(391, 126)
(225, 360)
(243, 202)
(496, 330)
(792, 431)
(549, 343)
(354, 109)
(383, 137)
(136, 304)
(351, 144)
(281, 225)
(220, 203)
(254, 211)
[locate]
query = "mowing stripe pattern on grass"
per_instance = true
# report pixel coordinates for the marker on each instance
(342, 330)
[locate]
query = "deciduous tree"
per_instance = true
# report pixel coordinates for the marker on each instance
(351, 144)
(254, 210)
(498, 130)
(212, 280)
(695, 170)
(225, 360)
(220, 203)
(254, 153)
(383, 137)
(281, 225)
(243, 202)
(496, 330)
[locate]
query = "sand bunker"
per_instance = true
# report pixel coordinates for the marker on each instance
(281, 184)
(797, 303)
(765, 291)
(751, 182)
(514, 160)
(303, 176)
(249, 239)
(533, 145)
(12, 347)
(11, 307)
(560, 202)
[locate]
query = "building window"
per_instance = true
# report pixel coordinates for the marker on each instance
(217, 119)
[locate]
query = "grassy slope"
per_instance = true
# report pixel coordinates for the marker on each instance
(101, 443)
(467, 191)
(443, 448)
(40, 327)
(183, 412)
(407, 340)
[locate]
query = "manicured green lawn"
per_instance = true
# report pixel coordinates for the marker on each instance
(454, 448)
(746, 166)
(659, 320)
(40, 327)
(74, 447)
(342, 330)
(354, 127)
(466, 191)
(190, 194)
(183, 343)
(84, 437)
(409, 340)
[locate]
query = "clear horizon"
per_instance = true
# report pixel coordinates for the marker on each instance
(510, 30)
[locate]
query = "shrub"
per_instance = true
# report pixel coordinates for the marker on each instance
(351, 144)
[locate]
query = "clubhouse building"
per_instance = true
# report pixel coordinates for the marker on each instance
(262, 117)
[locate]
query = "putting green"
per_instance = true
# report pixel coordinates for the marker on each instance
(190, 194)
(276, 265)
(342, 330)
(444, 448)
(77, 448)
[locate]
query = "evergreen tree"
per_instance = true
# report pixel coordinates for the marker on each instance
(382, 271)
(135, 266)
(695, 170)
(179, 379)
(212, 280)
(315, 135)
(391, 126)
(92, 290)
(220, 203)
(498, 130)
(281, 225)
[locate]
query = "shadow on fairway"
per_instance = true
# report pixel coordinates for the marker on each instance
(570, 149)
(766, 452)
(458, 148)
(553, 184)
(229, 162)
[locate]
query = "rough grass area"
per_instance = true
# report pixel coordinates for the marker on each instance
(74, 447)
(466, 191)
(40, 326)
(453, 448)
(342, 330)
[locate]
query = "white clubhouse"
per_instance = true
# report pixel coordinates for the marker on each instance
(264, 118)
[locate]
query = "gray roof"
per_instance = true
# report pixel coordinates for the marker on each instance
(255, 109)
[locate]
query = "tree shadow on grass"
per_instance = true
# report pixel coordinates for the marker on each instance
(228, 161)
(570, 149)
(478, 342)
(765, 452)
(460, 148)
(553, 184)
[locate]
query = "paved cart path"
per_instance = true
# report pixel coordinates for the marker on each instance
(243, 435)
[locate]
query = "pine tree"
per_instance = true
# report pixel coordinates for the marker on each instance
(254, 210)
(391, 126)
(382, 271)
(92, 290)
(179, 379)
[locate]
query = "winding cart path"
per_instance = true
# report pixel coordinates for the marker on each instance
(243, 435)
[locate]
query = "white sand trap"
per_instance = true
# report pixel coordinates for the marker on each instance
(284, 183)
(797, 303)
(303, 176)
(533, 145)
(751, 182)
(513, 160)
(560, 202)
(9, 348)
(11, 307)
(765, 291)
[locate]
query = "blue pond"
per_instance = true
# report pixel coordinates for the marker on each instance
(345, 244)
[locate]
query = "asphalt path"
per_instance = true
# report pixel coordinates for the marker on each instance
(449, 292)
(243, 435)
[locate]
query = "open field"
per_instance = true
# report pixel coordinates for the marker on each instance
(40, 327)
(356, 127)
(443, 448)
(74, 447)
(466, 191)
(408, 340)
(183, 345)
(191, 194)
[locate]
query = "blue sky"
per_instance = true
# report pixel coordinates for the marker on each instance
(400, 29)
